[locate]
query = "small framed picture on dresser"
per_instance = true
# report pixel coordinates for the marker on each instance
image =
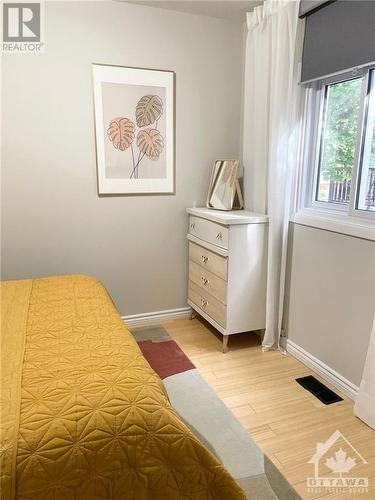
(134, 130)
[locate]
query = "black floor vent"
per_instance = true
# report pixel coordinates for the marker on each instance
(319, 390)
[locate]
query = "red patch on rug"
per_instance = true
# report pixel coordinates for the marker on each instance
(166, 358)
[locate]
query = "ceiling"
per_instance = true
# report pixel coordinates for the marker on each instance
(224, 9)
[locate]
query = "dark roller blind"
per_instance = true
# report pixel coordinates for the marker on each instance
(307, 6)
(338, 36)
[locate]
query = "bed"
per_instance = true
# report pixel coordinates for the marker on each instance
(84, 416)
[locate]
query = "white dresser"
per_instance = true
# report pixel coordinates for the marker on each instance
(227, 269)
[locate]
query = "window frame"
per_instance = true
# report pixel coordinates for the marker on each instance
(369, 93)
(314, 115)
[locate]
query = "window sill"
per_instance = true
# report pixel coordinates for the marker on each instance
(336, 223)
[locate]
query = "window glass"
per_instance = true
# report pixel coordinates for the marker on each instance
(338, 141)
(366, 183)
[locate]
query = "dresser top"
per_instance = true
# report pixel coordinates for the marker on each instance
(231, 217)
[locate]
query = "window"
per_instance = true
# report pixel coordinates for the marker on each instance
(366, 185)
(342, 170)
(337, 141)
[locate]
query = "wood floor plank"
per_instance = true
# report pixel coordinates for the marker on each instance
(243, 411)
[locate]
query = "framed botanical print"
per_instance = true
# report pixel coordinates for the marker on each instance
(134, 127)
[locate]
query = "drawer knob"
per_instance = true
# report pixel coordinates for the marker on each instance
(205, 259)
(205, 281)
(204, 302)
(219, 236)
(192, 225)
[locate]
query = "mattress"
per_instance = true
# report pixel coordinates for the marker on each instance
(83, 414)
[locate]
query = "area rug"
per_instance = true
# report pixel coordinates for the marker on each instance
(210, 420)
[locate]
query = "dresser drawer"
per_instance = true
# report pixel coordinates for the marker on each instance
(209, 231)
(211, 261)
(211, 306)
(209, 283)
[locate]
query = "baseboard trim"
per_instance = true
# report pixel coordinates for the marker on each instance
(157, 316)
(327, 373)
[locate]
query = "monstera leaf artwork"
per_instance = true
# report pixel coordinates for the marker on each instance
(148, 110)
(134, 110)
(121, 133)
(150, 142)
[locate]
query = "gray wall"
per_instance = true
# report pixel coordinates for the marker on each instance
(331, 297)
(53, 220)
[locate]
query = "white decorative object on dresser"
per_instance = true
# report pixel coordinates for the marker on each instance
(227, 269)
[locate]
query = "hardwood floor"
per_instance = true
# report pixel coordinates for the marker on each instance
(283, 418)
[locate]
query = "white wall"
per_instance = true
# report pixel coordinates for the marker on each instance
(53, 220)
(331, 297)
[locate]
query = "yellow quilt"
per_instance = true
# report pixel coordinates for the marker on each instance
(83, 415)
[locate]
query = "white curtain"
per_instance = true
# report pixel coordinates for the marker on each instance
(271, 133)
(364, 406)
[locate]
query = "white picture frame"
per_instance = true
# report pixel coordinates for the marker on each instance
(134, 112)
